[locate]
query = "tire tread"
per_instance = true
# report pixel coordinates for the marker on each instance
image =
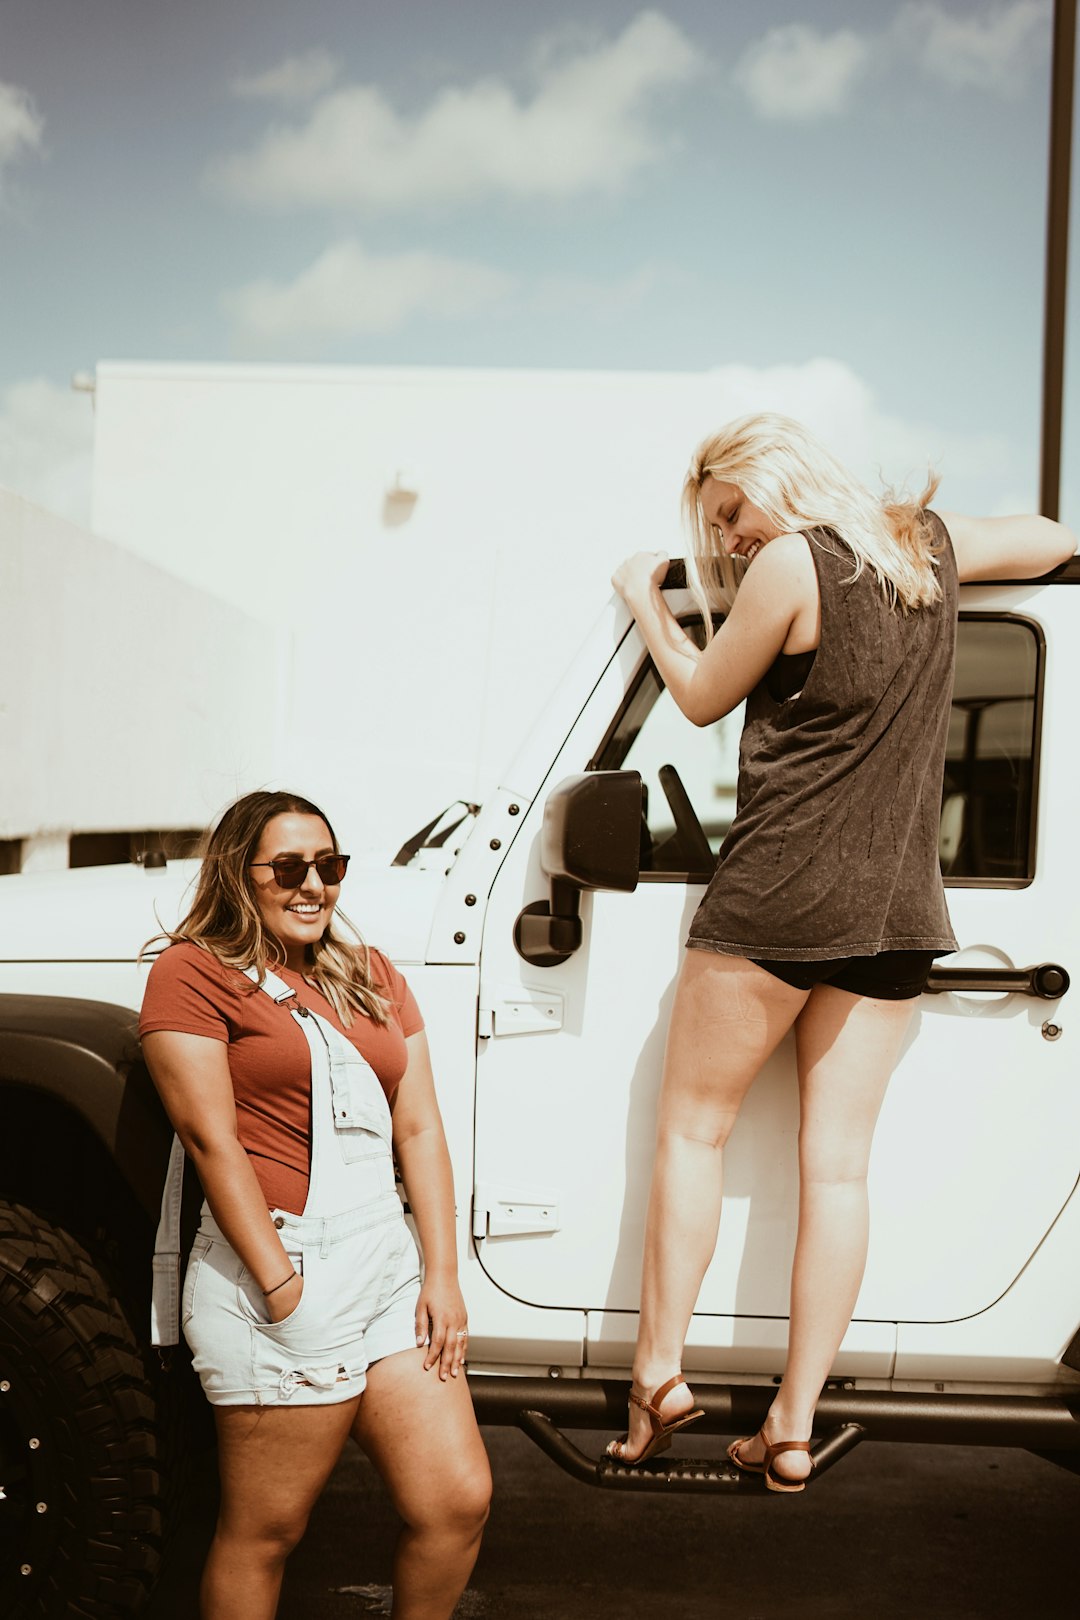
(68, 1342)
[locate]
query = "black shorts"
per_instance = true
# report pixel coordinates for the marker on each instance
(889, 976)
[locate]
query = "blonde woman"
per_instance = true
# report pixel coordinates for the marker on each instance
(293, 1065)
(827, 908)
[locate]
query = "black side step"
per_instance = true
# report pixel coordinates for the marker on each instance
(1047, 1423)
(678, 1474)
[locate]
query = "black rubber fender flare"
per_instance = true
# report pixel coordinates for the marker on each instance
(85, 1055)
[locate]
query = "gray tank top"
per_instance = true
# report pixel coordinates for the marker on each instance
(834, 847)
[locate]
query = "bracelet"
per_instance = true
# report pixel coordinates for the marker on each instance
(268, 1291)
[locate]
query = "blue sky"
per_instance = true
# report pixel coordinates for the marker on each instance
(603, 185)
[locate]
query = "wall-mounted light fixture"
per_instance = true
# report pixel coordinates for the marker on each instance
(399, 501)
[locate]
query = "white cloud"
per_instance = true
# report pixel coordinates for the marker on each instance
(46, 446)
(21, 125)
(608, 299)
(298, 78)
(989, 49)
(796, 73)
(588, 126)
(348, 292)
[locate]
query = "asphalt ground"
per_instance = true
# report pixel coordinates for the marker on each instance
(891, 1532)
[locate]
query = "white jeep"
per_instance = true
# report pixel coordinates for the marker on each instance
(542, 934)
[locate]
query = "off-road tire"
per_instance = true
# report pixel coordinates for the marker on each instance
(80, 1513)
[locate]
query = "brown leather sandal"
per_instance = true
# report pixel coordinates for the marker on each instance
(733, 1453)
(773, 1480)
(661, 1431)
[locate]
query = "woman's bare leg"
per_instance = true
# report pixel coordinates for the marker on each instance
(847, 1048)
(729, 1016)
(421, 1434)
(273, 1463)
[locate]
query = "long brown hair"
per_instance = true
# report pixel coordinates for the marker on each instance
(225, 920)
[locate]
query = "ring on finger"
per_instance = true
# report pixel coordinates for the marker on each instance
(462, 1333)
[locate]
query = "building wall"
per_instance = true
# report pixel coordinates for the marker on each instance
(424, 633)
(431, 543)
(124, 691)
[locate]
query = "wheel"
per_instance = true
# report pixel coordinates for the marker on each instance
(80, 1516)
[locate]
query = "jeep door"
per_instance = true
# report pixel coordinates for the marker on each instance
(976, 1152)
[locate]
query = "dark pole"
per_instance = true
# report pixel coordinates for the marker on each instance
(1057, 253)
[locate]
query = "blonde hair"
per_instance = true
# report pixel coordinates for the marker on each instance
(782, 468)
(225, 920)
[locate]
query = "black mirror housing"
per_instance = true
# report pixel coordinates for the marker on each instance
(591, 836)
(590, 839)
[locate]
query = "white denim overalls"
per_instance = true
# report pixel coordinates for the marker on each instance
(352, 1246)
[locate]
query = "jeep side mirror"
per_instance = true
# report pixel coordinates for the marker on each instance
(590, 839)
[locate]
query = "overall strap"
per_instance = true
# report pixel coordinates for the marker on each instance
(274, 987)
(357, 1097)
(165, 1289)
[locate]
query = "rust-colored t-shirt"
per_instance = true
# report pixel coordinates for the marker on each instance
(188, 990)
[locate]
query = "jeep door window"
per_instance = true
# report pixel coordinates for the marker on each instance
(991, 762)
(988, 800)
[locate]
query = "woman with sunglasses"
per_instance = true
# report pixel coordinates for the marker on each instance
(293, 1064)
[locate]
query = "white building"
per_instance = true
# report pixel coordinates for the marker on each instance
(429, 544)
(118, 703)
(357, 582)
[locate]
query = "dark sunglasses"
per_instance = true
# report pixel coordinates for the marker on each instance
(290, 871)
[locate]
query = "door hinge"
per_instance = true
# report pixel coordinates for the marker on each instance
(518, 1009)
(502, 1211)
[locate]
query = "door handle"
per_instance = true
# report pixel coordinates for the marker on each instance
(1046, 980)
